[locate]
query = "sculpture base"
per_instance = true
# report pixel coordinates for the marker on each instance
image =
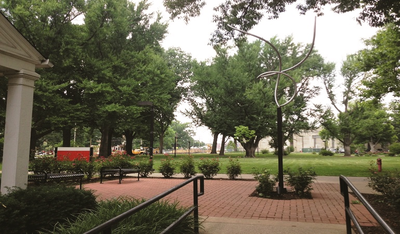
(280, 190)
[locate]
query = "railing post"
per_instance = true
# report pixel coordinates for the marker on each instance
(196, 206)
(344, 190)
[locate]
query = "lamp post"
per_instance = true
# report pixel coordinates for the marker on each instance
(148, 103)
(278, 94)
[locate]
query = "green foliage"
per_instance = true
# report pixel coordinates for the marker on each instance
(153, 219)
(40, 207)
(117, 159)
(395, 148)
(146, 167)
(325, 152)
(387, 183)
(265, 151)
(301, 180)
(45, 164)
(209, 167)
(87, 167)
(233, 169)
(167, 167)
(265, 183)
(381, 59)
(187, 166)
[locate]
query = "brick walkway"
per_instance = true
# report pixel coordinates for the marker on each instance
(231, 199)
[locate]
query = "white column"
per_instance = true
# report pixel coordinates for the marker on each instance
(17, 129)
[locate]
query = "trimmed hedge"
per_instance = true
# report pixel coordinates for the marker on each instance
(39, 208)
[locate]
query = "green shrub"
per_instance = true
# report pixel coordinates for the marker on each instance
(265, 183)
(301, 180)
(265, 151)
(187, 167)
(167, 167)
(146, 167)
(394, 148)
(45, 164)
(233, 169)
(324, 152)
(81, 164)
(209, 167)
(40, 207)
(387, 183)
(117, 159)
(152, 219)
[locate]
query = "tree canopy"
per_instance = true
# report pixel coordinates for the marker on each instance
(227, 94)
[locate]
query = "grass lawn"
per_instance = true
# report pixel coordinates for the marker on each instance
(323, 165)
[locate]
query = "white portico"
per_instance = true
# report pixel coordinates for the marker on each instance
(18, 62)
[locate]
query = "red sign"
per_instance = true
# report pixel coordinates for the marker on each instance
(71, 153)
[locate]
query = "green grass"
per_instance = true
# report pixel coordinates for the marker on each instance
(323, 165)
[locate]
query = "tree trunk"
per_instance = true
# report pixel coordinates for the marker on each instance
(222, 148)
(373, 147)
(128, 144)
(32, 145)
(214, 144)
(235, 148)
(66, 136)
(250, 147)
(346, 144)
(161, 143)
(105, 144)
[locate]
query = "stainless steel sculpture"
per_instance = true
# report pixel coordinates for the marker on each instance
(280, 188)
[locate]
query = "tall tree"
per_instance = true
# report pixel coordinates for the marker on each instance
(231, 95)
(120, 44)
(49, 26)
(374, 126)
(342, 127)
(381, 60)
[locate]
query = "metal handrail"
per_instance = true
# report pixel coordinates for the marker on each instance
(344, 190)
(106, 226)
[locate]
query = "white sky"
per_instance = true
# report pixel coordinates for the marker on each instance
(338, 35)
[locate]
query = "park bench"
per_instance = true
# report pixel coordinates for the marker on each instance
(61, 176)
(119, 172)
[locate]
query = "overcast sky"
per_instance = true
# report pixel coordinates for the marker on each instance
(338, 35)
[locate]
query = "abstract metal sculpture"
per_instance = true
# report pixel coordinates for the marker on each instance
(280, 188)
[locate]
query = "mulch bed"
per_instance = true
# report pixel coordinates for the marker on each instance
(389, 214)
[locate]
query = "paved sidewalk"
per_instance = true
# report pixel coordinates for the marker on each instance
(227, 207)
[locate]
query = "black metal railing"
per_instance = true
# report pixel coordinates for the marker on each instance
(106, 226)
(344, 190)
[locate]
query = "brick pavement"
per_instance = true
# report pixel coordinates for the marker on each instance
(231, 199)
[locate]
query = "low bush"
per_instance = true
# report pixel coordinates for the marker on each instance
(39, 208)
(152, 219)
(167, 167)
(187, 166)
(81, 164)
(387, 183)
(394, 148)
(48, 164)
(233, 169)
(324, 152)
(209, 167)
(265, 151)
(266, 183)
(146, 167)
(301, 180)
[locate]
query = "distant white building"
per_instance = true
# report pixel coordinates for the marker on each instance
(307, 141)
